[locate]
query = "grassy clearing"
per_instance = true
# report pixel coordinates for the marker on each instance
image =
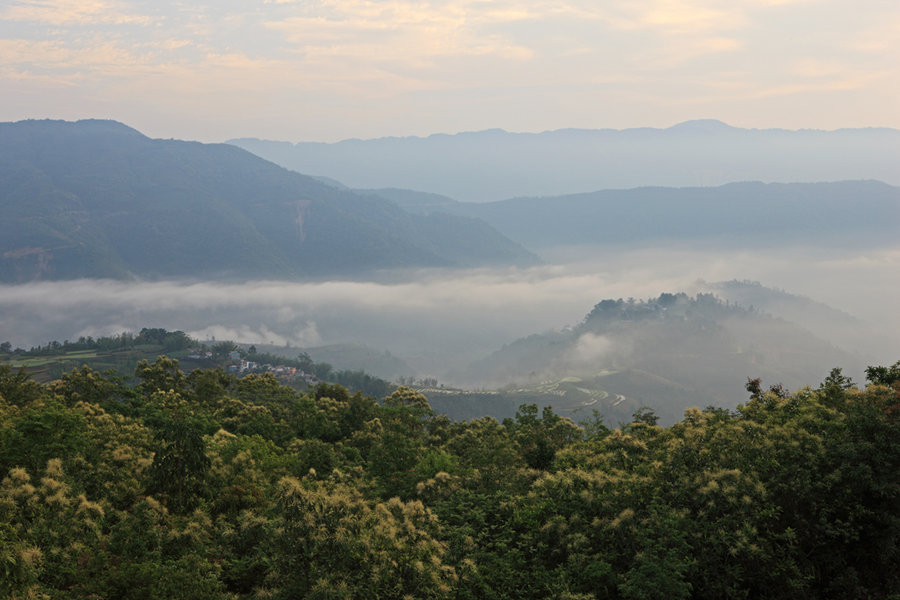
(35, 362)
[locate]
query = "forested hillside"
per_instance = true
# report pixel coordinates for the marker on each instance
(99, 199)
(204, 486)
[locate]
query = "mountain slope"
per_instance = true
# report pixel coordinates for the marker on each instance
(99, 199)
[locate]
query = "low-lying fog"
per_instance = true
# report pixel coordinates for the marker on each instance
(439, 321)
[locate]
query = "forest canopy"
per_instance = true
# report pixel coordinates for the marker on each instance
(206, 485)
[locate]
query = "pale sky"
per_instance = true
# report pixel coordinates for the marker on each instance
(325, 70)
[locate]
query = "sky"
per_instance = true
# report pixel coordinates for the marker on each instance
(326, 70)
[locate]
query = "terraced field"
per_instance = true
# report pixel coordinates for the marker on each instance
(48, 367)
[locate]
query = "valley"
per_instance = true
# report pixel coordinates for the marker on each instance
(122, 231)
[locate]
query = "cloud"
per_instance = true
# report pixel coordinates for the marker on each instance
(404, 32)
(678, 52)
(878, 40)
(102, 56)
(591, 348)
(683, 16)
(440, 320)
(71, 12)
(844, 82)
(305, 336)
(818, 68)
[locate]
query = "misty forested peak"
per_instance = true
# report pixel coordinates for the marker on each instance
(666, 306)
(668, 352)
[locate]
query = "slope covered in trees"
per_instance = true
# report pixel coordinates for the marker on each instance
(99, 199)
(203, 486)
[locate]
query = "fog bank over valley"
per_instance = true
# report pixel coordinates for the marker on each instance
(441, 321)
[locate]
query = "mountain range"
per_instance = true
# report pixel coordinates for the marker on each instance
(495, 165)
(99, 199)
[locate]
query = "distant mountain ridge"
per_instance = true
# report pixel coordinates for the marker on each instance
(495, 165)
(744, 212)
(99, 199)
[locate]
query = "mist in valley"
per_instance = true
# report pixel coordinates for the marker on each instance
(441, 322)
(406, 284)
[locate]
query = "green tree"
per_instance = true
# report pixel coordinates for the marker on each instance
(880, 375)
(18, 388)
(179, 468)
(162, 375)
(334, 544)
(540, 438)
(44, 431)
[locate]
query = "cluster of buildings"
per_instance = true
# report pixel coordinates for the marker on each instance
(239, 365)
(285, 374)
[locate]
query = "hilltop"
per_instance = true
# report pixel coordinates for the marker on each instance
(665, 353)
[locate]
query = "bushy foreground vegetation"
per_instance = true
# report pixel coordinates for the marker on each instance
(210, 487)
